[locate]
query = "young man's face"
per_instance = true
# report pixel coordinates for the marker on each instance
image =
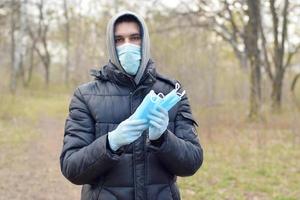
(127, 32)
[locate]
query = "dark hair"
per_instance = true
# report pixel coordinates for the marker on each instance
(127, 18)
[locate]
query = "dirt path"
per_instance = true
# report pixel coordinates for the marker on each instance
(33, 172)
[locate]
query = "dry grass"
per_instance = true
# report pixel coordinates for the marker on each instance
(19, 114)
(242, 160)
(259, 160)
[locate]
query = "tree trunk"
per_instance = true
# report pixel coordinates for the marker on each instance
(255, 89)
(31, 64)
(43, 54)
(67, 38)
(18, 46)
(276, 95)
(47, 75)
(15, 45)
(279, 53)
(292, 89)
(251, 42)
(13, 79)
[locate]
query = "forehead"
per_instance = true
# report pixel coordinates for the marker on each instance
(126, 28)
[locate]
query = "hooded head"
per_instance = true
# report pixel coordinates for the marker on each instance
(144, 42)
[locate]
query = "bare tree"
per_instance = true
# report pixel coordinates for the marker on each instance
(277, 51)
(40, 40)
(14, 61)
(252, 46)
(18, 46)
(31, 63)
(67, 42)
(236, 22)
(293, 87)
(228, 19)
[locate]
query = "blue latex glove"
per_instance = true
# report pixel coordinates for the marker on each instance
(159, 120)
(127, 132)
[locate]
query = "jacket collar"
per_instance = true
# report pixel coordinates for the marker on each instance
(111, 73)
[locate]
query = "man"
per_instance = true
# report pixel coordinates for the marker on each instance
(109, 152)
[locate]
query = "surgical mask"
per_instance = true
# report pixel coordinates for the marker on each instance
(150, 101)
(172, 98)
(129, 57)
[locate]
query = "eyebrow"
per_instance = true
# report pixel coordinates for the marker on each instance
(134, 34)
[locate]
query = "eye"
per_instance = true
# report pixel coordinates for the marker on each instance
(135, 38)
(119, 40)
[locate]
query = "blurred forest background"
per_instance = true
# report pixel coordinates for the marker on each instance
(239, 61)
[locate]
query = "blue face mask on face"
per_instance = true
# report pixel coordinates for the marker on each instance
(130, 57)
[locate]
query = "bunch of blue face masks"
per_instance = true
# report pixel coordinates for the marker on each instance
(152, 100)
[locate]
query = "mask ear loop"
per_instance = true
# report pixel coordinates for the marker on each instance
(177, 87)
(161, 95)
(181, 94)
(155, 98)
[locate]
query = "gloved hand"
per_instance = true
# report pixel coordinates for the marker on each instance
(127, 132)
(147, 104)
(159, 120)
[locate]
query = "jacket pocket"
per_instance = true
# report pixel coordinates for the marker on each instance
(189, 116)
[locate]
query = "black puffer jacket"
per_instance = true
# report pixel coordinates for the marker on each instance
(142, 170)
